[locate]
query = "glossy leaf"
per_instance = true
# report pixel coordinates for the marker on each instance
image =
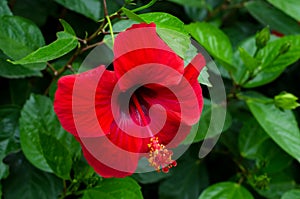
(28, 182)
(274, 63)
(45, 144)
(4, 9)
(10, 70)
(9, 129)
(188, 179)
(250, 62)
(289, 7)
(281, 126)
(114, 188)
(294, 193)
(132, 15)
(251, 138)
(66, 42)
(19, 37)
(268, 15)
(228, 190)
(217, 44)
(88, 8)
(280, 183)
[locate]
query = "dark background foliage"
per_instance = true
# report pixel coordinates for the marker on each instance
(258, 153)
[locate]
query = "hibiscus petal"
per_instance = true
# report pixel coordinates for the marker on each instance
(141, 45)
(82, 102)
(107, 160)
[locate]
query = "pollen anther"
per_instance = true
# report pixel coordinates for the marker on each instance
(159, 157)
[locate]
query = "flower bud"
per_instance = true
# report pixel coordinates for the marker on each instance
(286, 101)
(262, 37)
(261, 182)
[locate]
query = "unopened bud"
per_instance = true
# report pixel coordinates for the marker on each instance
(262, 37)
(286, 101)
(261, 182)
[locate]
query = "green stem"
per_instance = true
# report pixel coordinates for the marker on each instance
(110, 29)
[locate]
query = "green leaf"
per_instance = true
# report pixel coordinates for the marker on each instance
(274, 63)
(250, 62)
(164, 20)
(273, 17)
(251, 138)
(289, 7)
(10, 70)
(294, 193)
(280, 183)
(150, 177)
(28, 182)
(226, 190)
(115, 188)
(57, 155)
(217, 44)
(4, 9)
(66, 42)
(188, 179)
(132, 15)
(43, 140)
(19, 37)
(177, 41)
(9, 129)
(281, 126)
(88, 8)
(206, 127)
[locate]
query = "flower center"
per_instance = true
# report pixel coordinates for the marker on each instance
(159, 157)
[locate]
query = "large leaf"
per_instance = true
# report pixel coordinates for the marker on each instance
(19, 37)
(66, 41)
(45, 144)
(150, 177)
(28, 182)
(268, 15)
(280, 125)
(4, 9)
(115, 188)
(10, 70)
(289, 7)
(214, 41)
(228, 190)
(188, 179)
(294, 193)
(274, 63)
(9, 130)
(89, 8)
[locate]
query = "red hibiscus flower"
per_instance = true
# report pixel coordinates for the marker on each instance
(143, 108)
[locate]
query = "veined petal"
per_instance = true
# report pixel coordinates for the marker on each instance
(82, 102)
(107, 159)
(140, 45)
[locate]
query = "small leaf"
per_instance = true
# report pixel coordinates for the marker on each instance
(268, 15)
(228, 190)
(289, 7)
(217, 44)
(4, 9)
(281, 126)
(132, 15)
(66, 41)
(115, 188)
(250, 62)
